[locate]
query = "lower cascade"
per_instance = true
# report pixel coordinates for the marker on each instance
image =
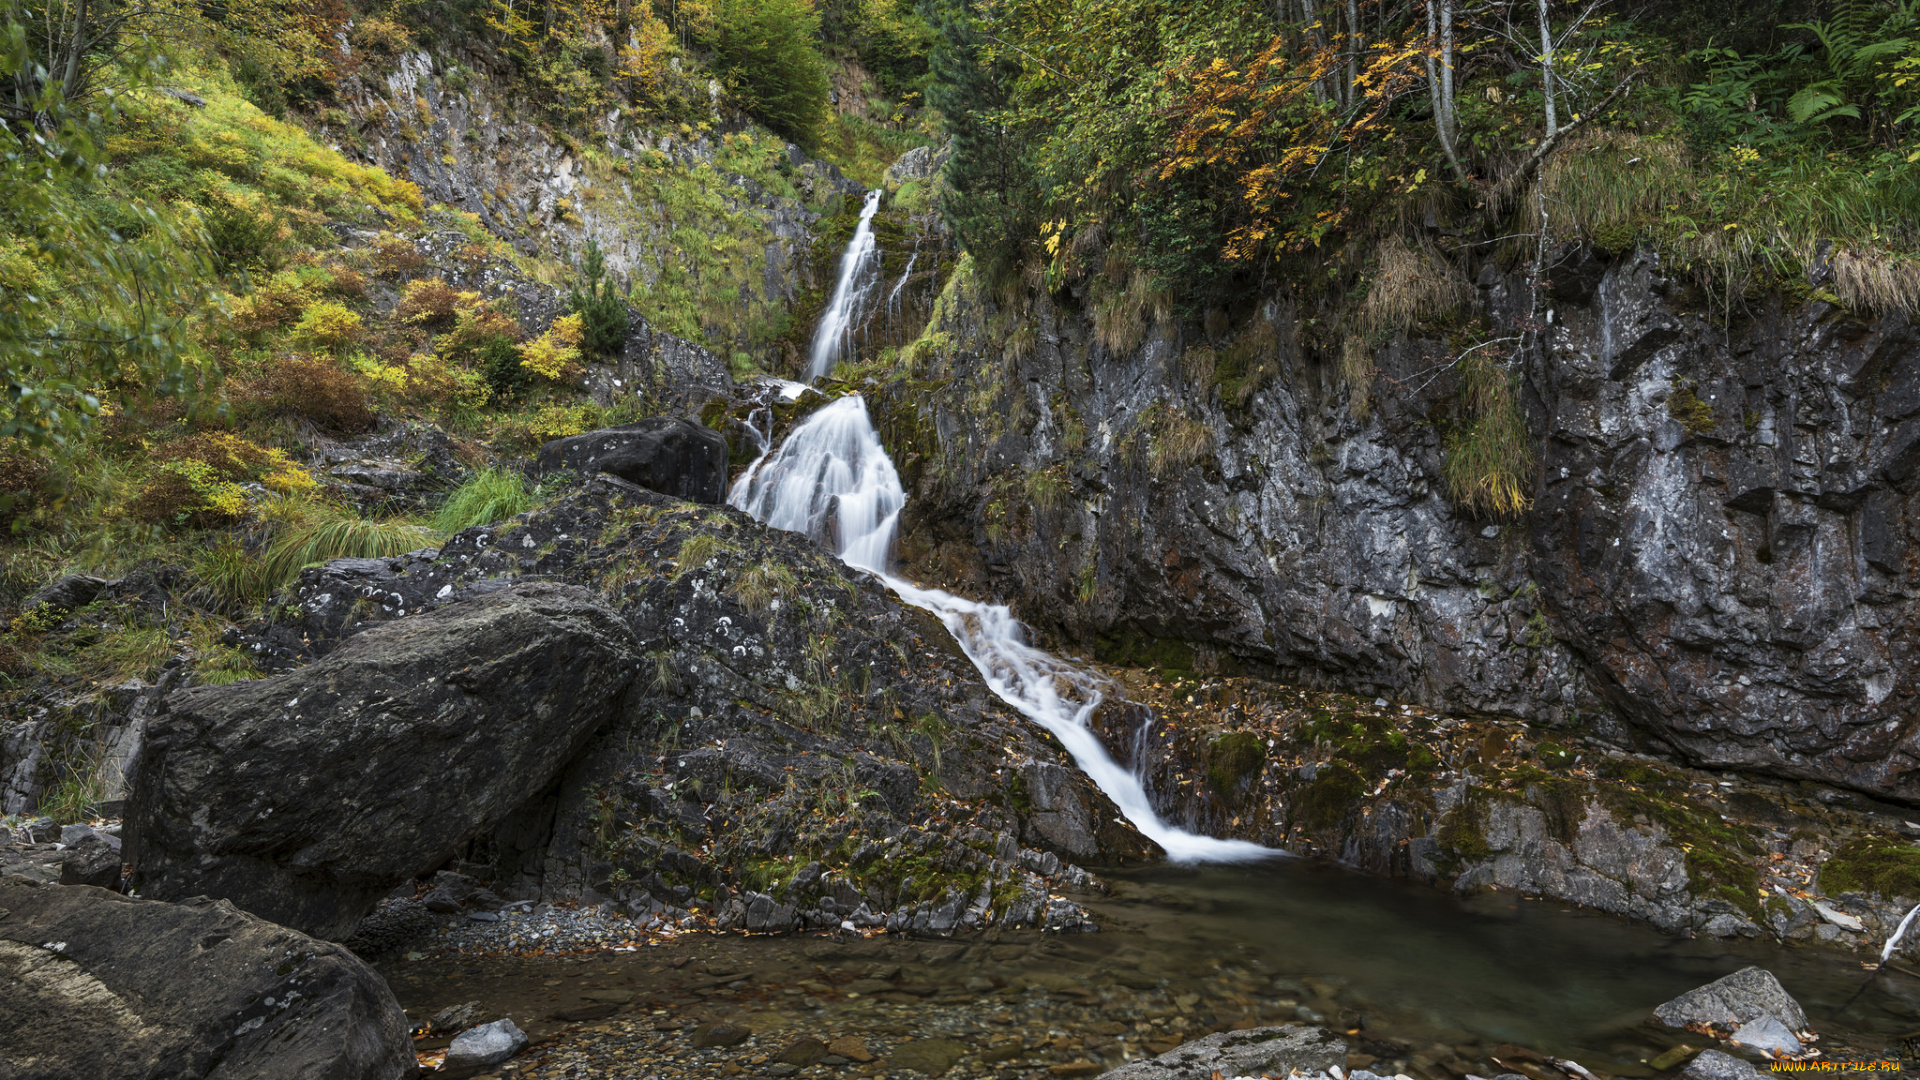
(832, 480)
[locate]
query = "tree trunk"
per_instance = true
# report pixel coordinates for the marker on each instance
(1354, 43)
(1440, 79)
(1546, 68)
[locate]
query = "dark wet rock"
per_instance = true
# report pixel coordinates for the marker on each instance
(391, 928)
(673, 456)
(930, 1056)
(773, 681)
(802, 1053)
(1714, 1065)
(94, 861)
(1275, 1051)
(306, 797)
(66, 593)
(410, 466)
(102, 985)
(1727, 1003)
(1717, 559)
(455, 1017)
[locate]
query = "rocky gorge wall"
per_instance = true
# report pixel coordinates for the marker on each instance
(714, 224)
(1715, 560)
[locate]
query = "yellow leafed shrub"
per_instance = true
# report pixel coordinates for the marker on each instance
(555, 355)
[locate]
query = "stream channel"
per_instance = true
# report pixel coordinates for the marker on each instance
(1227, 934)
(1425, 983)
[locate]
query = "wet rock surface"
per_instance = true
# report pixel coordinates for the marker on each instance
(1730, 582)
(101, 985)
(1256, 1051)
(1729, 1004)
(305, 797)
(799, 750)
(673, 456)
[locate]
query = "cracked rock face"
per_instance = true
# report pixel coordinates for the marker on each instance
(103, 985)
(304, 798)
(785, 709)
(1718, 556)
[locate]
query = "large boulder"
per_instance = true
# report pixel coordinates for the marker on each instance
(672, 456)
(1732, 1002)
(304, 798)
(777, 680)
(1265, 1051)
(101, 986)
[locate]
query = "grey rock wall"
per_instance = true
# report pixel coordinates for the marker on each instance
(1739, 590)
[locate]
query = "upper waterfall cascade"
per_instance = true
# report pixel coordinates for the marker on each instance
(859, 275)
(832, 479)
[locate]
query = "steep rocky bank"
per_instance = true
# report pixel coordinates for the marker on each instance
(789, 719)
(1715, 562)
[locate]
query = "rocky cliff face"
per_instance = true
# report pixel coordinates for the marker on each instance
(1716, 558)
(702, 214)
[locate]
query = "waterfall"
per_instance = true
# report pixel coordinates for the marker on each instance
(832, 480)
(834, 334)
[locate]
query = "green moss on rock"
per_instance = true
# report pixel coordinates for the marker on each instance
(1323, 803)
(1873, 865)
(1232, 760)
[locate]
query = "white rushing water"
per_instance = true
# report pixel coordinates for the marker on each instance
(833, 337)
(832, 480)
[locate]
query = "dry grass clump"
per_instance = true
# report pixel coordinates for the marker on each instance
(759, 585)
(1168, 440)
(1611, 186)
(1877, 281)
(1489, 456)
(1357, 370)
(1410, 284)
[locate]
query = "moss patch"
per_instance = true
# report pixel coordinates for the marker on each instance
(1323, 803)
(1232, 760)
(1873, 865)
(1172, 659)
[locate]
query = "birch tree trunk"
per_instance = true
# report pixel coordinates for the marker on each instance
(1546, 68)
(1440, 79)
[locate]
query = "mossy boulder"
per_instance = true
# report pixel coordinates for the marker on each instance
(1233, 760)
(1873, 865)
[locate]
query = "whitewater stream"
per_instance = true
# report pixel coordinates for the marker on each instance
(832, 480)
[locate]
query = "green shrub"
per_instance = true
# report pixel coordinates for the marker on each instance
(489, 495)
(242, 238)
(602, 310)
(499, 361)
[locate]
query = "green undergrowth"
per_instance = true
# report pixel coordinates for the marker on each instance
(703, 278)
(486, 496)
(1889, 868)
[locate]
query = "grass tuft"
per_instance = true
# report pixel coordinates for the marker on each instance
(487, 496)
(1489, 456)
